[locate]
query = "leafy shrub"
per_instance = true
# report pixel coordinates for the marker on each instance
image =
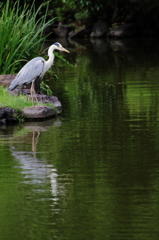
(21, 34)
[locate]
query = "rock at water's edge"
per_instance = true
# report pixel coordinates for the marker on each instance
(126, 30)
(8, 114)
(100, 29)
(38, 111)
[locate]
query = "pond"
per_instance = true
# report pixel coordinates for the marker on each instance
(93, 172)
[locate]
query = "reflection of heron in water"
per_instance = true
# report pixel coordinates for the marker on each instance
(37, 127)
(37, 172)
(35, 138)
(32, 166)
(35, 169)
(35, 69)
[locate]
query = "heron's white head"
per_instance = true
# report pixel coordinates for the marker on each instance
(59, 47)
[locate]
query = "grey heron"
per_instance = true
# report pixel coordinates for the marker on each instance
(35, 69)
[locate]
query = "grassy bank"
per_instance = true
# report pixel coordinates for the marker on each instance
(21, 32)
(15, 102)
(18, 102)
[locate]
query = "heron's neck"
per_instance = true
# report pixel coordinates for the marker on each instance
(50, 61)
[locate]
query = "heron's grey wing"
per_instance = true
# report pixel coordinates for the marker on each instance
(31, 71)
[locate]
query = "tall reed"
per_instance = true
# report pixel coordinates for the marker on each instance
(21, 34)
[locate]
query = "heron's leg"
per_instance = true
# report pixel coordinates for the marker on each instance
(31, 92)
(35, 93)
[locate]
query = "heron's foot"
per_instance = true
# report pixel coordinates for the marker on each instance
(35, 96)
(32, 103)
(38, 103)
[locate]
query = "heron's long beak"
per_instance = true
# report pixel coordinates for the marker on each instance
(64, 50)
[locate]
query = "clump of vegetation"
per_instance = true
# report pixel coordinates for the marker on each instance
(15, 102)
(22, 34)
(45, 88)
(18, 102)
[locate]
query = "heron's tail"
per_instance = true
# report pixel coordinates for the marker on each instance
(13, 85)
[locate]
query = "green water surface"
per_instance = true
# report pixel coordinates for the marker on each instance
(93, 172)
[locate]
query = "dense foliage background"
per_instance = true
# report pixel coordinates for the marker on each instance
(80, 12)
(75, 13)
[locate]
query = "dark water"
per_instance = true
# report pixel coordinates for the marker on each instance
(92, 173)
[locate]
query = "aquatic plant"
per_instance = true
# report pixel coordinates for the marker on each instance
(21, 34)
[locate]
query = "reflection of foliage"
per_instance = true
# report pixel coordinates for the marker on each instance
(111, 147)
(108, 108)
(105, 156)
(86, 82)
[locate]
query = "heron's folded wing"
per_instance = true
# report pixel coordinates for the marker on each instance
(31, 71)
